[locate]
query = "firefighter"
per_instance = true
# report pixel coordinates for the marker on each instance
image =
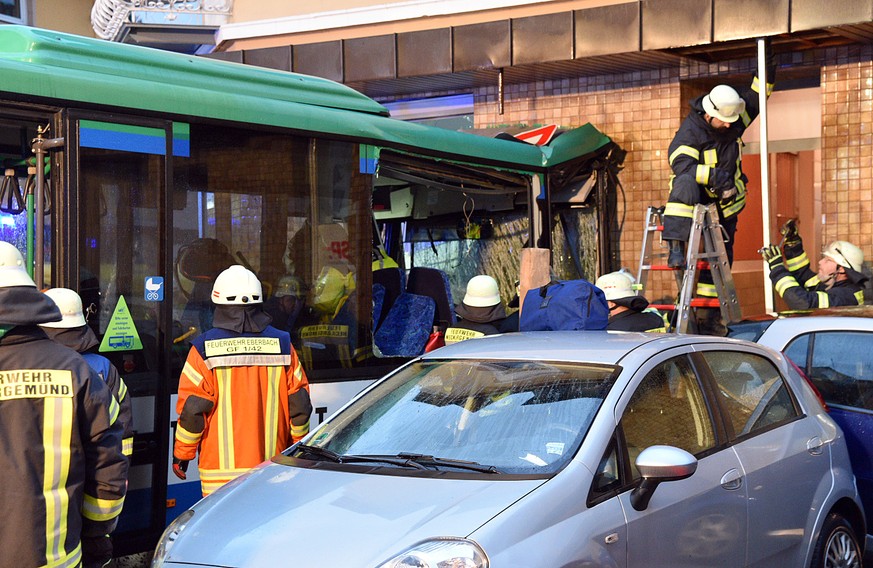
(627, 310)
(481, 312)
(839, 281)
(705, 157)
(74, 332)
(64, 475)
(243, 395)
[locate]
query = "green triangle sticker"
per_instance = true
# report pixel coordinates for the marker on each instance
(121, 335)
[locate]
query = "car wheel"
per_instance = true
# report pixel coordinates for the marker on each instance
(837, 545)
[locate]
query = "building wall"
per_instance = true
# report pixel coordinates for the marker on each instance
(72, 16)
(847, 148)
(641, 112)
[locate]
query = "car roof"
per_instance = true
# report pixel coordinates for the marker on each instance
(599, 347)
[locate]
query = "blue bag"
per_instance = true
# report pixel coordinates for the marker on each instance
(564, 305)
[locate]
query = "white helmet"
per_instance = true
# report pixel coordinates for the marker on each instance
(70, 305)
(845, 254)
(482, 292)
(616, 285)
(12, 270)
(724, 103)
(237, 285)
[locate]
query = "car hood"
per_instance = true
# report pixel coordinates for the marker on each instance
(316, 517)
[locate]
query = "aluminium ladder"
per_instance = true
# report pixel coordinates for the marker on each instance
(705, 229)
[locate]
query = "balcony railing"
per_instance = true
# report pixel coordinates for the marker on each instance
(109, 17)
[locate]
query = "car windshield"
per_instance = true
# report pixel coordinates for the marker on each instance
(508, 417)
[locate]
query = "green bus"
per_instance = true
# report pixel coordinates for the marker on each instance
(134, 176)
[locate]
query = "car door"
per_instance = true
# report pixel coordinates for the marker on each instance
(698, 521)
(782, 452)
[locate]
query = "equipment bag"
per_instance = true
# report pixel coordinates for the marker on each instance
(564, 305)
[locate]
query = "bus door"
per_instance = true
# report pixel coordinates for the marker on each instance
(120, 217)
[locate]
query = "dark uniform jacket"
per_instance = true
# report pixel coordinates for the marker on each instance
(83, 341)
(801, 288)
(63, 472)
(476, 322)
(696, 150)
(631, 320)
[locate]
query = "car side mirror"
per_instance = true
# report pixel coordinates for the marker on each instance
(657, 464)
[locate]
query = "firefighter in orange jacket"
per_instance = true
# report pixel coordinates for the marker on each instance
(64, 475)
(243, 395)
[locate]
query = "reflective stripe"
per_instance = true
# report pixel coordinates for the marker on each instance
(192, 374)
(186, 437)
(223, 420)
(747, 120)
(114, 409)
(101, 509)
(859, 297)
(70, 560)
(248, 360)
(796, 263)
(701, 175)
(735, 207)
(684, 151)
(710, 157)
(708, 290)
(212, 479)
(127, 446)
(56, 438)
(756, 86)
(299, 431)
(122, 391)
(812, 282)
(785, 283)
(271, 410)
(823, 300)
(679, 210)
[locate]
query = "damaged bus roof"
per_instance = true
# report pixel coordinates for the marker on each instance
(55, 66)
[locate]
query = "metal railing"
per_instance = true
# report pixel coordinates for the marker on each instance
(108, 17)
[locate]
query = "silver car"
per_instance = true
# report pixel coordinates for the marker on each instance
(551, 449)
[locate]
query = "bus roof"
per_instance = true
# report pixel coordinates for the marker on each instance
(63, 67)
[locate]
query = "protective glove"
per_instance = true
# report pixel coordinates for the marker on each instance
(721, 179)
(96, 551)
(772, 255)
(789, 232)
(727, 193)
(180, 467)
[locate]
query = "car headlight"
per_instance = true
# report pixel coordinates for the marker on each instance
(440, 553)
(171, 533)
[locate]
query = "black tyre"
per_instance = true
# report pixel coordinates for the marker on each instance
(837, 545)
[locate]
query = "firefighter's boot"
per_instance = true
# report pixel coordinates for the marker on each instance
(676, 257)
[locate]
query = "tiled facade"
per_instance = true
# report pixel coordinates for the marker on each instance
(641, 111)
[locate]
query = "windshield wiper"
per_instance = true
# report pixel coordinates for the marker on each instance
(393, 460)
(448, 462)
(320, 452)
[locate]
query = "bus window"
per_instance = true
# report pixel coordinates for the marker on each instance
(295, 211)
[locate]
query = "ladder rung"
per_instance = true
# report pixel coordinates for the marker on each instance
(705, 303)
(660, 267)
(695, 303)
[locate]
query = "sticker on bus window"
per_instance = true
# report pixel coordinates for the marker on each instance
(121, 334)
(154, 289)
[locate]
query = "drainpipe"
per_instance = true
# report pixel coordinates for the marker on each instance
(765, 166)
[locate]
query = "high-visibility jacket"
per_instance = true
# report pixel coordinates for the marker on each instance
(801, 288)
(695, 151)
(632, 320)
(243, 397)
(83, 341)
(63, 472)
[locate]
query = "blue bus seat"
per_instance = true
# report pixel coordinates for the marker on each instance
(406, 328)
(391, 279)
(434, 283)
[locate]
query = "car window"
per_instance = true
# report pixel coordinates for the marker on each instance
(668, 408)
(752, 390)
(607, 477)
(798, 350)
(842, 367)
(522, 417)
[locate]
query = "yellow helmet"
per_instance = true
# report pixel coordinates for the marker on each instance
(332, 288)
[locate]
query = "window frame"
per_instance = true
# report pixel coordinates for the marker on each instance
(24, 17)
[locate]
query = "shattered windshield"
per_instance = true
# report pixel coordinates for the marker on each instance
(511, 417)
